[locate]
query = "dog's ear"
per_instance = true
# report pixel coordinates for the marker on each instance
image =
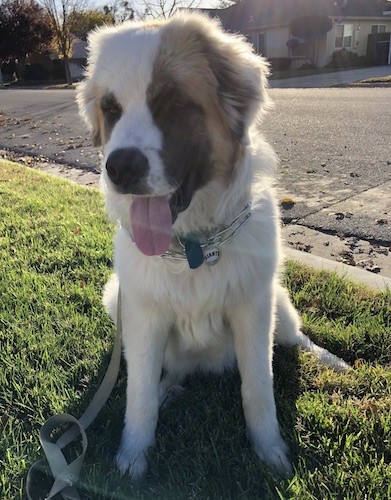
(238, 75)
(88, 94)
(242, 79)
(87, 97)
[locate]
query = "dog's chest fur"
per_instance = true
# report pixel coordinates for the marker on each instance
(194, 303)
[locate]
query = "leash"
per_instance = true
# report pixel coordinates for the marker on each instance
(65, 474)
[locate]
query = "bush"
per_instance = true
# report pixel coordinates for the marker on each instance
(9, 70)
(280, 63)
(307, 65)
(346, 59)
(57, 71)
(36, 72)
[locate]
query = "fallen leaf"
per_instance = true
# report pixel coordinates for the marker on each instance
(287, 202)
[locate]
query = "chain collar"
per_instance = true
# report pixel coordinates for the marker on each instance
(207, 250)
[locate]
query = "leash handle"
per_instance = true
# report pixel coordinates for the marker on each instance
(65, 474)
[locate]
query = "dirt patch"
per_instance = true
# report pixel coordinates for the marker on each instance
(347, 250)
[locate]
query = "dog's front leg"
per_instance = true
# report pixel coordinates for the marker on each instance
(252, 324)
(144, 340)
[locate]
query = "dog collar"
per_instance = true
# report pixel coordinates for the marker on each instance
(198, 250)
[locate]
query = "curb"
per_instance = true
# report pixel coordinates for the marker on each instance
(360, 85)
(376, 281)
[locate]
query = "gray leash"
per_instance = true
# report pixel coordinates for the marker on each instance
(65, 474)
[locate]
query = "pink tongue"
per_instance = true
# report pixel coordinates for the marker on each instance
(151, 224)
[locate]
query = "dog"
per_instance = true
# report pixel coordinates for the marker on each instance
(176, 107)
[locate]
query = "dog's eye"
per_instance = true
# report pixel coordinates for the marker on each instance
(110, 107)
(178, 104)
(113, 110)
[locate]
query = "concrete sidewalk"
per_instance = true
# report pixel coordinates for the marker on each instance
(375, 281)
(334, 79)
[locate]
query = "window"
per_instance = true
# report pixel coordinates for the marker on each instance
(378, 28)
(343, 36)
(261, 44)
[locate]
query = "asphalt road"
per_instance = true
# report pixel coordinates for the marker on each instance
(334, 147)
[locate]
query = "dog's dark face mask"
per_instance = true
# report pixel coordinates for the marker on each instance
(186, 152)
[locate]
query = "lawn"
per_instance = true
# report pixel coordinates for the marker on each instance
(55, 254)
(377, 79)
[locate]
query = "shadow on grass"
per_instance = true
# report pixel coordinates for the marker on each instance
(201, 446)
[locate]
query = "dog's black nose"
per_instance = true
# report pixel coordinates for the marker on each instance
(127, 168)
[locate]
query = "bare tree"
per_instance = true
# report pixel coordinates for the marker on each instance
(166, 8)
(223, 4)
(62, 14)
(120, 10)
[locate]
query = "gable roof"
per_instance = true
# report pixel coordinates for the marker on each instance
(247, 14)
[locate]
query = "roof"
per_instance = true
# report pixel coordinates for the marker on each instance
(247, 14)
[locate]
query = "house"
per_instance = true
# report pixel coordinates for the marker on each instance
(311, 30)
(78, 59)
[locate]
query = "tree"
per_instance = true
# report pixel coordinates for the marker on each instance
(223, 4)
(84, 21)
(310, 27)
(123, 10)
(62, 15)
(24, 29)
(120, 11)
(163, 9)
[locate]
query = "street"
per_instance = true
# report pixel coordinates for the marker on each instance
(333, 145)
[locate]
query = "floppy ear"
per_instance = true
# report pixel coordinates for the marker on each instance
(240, 76)
(242, 79)
(86, 97)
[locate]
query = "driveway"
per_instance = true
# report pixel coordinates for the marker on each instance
(331, 79)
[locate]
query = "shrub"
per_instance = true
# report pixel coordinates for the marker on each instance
(307, 65)
(280, 63)
(57, 71)
(346, 59)
(36, 72)
(8, 69)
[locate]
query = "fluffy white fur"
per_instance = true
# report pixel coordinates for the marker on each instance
(180, 319)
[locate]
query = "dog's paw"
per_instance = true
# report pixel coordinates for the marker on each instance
(134, 464)
(274, 452)
(132, 454)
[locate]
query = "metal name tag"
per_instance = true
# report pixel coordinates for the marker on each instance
(212, 255)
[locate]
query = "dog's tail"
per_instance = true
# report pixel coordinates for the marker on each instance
(288, 332)
(322, 354)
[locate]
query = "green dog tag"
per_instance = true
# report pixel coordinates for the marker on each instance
(194, 254)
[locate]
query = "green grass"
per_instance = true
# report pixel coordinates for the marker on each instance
(377, 79)
(55, 254)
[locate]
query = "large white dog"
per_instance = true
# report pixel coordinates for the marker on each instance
(197, 252)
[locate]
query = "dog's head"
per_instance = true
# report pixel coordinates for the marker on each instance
(171, 105)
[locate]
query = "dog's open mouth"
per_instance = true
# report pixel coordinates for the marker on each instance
(152, 218)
